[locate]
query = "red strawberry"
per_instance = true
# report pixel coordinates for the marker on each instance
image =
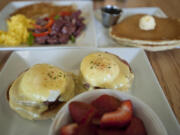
(120, 117)
(136, 127)
(70, 129)
(86, 129)
(110, 132)
(105, 103)
(81, 113)
(96, 121)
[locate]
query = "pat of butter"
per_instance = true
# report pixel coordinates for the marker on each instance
(53, 95)
(147, 22)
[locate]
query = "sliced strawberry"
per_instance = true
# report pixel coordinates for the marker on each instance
(96, 121)
(110, 132)
(70, 129)
(136, 127)
(119, 118)
(86, 129)
(105, 103)
(81, 113)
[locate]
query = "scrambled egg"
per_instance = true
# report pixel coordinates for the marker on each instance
(17, 31)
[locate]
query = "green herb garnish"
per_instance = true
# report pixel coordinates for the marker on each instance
(72, 38)
(30, 39)
(56, 17)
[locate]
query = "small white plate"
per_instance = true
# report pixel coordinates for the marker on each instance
(86, 39)
(151, 121)
(145, 85)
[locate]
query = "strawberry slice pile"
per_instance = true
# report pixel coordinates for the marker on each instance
(119, 118)
(104, 116)
(81, 113)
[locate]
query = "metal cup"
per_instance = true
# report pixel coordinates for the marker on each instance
(110, 15)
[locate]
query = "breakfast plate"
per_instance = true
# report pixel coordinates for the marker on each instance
(68, 59)
(87, 37)
(103, 38)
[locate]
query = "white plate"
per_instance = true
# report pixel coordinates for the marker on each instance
(87, 38)
(103, 39)
(145, 85)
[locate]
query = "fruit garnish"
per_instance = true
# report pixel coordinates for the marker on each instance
(105, 103)
(136, 127)
(114, 117)
(119, 118)
(70, 129)
(81, 113)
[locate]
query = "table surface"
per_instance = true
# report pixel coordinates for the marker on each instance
(166, 64)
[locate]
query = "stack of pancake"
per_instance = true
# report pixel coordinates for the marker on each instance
(166, 34)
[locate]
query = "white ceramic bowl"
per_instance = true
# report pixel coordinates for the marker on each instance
(151, 121)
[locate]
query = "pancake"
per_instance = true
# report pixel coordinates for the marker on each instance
(39, 92)
(166, 34)
(105, 70)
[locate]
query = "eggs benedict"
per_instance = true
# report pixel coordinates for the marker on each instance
(105, 70)
(39, 92)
